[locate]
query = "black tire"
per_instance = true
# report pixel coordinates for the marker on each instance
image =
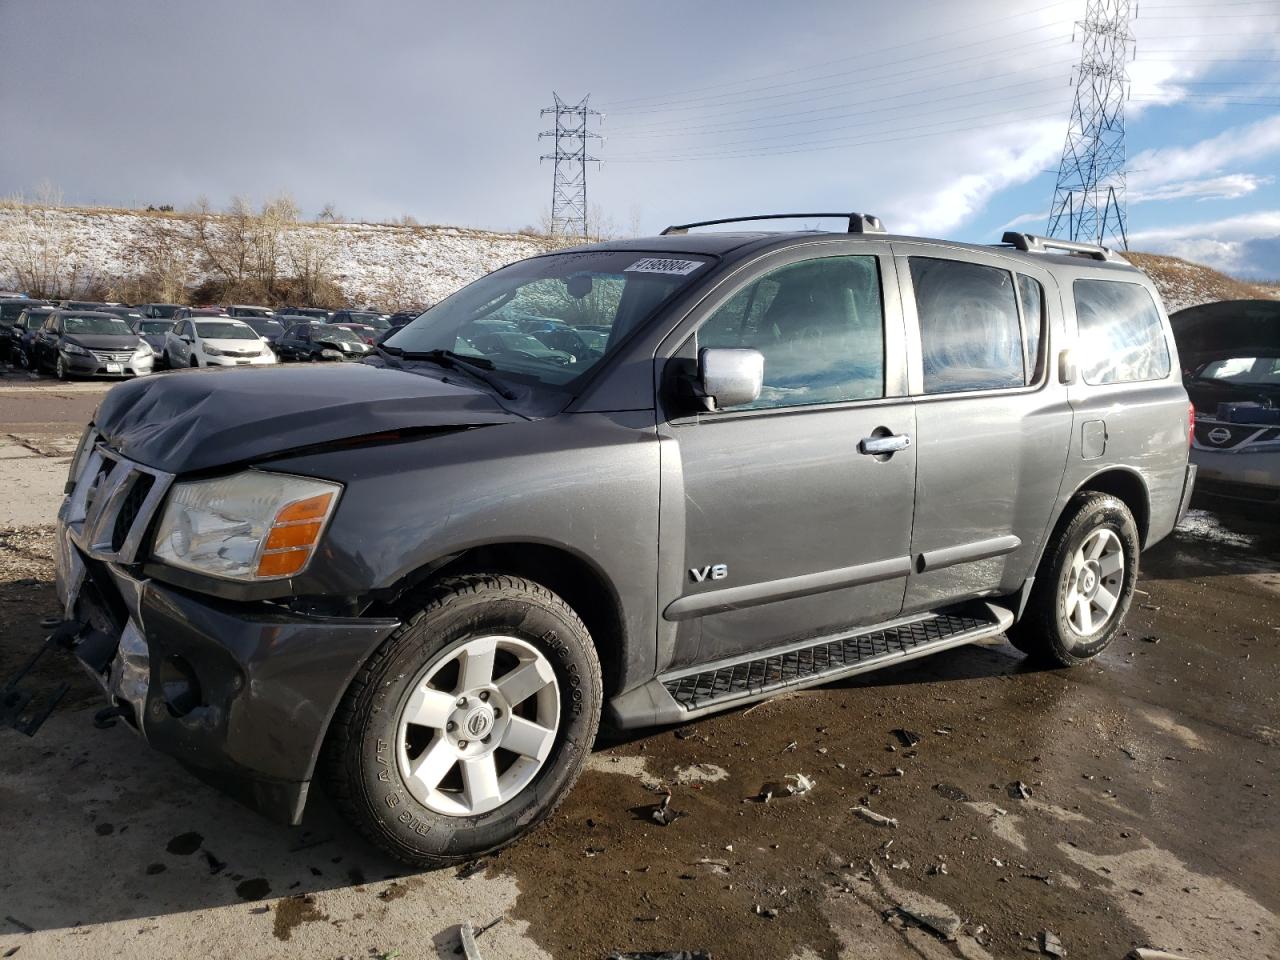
(195, 362)
(60, 369)
(370, 792)
(1044, 632)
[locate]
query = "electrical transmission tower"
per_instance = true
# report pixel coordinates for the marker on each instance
(569, 185)
(1088, 201)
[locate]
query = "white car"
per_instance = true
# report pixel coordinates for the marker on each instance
(215, 342)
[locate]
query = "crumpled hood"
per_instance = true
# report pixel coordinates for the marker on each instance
(194, 420)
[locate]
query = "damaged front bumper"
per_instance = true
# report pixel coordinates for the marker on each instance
(241, 693)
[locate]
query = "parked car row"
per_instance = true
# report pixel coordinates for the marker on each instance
(48, 337)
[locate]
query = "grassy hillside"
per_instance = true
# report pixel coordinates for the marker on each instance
(1185, 284)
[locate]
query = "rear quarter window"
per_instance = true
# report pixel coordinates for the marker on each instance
(1121, 337)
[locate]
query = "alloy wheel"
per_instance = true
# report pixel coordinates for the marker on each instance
(1094, 582)
(478, 725)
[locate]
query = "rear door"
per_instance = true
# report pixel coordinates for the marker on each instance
(993, 426)
(778, 525)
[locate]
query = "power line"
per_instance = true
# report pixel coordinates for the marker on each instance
(927, 130)
(1088, 198)
(754, 111)
(613, 106)
(1042, 102)
(700, 103)
(919, 73)
(843, 108)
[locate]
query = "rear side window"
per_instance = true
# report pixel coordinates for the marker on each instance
(970, 336)
(1121, 339)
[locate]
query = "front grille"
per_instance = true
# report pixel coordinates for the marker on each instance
(111, 505)
(130, 508)
(767, 673)
(113, 356)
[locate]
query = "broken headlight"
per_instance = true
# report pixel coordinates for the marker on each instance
(248, 526)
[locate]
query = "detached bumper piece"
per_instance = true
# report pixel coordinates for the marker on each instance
(20, 707)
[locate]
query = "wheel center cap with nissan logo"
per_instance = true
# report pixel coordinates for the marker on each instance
(1219, 435)
(479, 722)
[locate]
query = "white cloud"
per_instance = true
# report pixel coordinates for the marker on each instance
(1234, 145)
(1229, 186)
(1007, 158)
(1247, 245)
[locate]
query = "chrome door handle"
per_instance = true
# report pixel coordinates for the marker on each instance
(875, 446)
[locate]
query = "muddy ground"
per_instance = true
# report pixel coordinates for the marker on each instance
(1151, 818)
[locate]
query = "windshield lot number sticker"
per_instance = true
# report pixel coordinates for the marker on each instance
(679, 268)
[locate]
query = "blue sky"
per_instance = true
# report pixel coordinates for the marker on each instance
(945, 117)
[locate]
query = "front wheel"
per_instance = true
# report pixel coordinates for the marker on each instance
(60, 368)
(1084, 585)
(470, 724)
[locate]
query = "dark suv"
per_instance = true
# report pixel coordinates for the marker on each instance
(422, 580)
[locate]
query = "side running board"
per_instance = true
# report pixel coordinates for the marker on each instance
(682, 695)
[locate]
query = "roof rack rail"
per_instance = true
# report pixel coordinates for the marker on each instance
(858, 222)
(1032, 243)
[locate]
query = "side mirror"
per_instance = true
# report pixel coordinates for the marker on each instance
(729, 377)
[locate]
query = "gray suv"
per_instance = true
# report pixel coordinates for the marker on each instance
(424, 580)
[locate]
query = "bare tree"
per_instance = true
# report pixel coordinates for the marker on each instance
(40, 252)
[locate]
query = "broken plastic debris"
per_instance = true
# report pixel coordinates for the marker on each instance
(767, 912)
(906, 737)
(661, 955)
(1050, 945)
(944, 924)
(662, 813)
(1018, 790)
(871, 816)
(471, 869)
(1147, 953)
(951, 792)
(793, 785)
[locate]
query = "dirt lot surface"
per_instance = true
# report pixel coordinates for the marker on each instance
(1148, 818)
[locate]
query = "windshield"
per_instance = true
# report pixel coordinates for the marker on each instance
(327, 332)
(11, 311)
(225, 331)
(162, 309)
(156, 326)
(112, 326)
(609, 292)
(265, 328)
(1246, 371)
(370, 320)
(252, 312)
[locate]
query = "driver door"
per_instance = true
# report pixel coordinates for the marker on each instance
(782, 526)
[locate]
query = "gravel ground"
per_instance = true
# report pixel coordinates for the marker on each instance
(1149, 818)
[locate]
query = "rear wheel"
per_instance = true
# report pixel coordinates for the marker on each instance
(469, 725)
(1084, 585)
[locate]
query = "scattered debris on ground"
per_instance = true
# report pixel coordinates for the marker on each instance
(662, 814)
(907, 738)
(1050, 945)
(869, 815)
(1018, 791)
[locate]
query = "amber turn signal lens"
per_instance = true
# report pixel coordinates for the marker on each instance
(283, 563)
(312, 508)
(294, 535)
